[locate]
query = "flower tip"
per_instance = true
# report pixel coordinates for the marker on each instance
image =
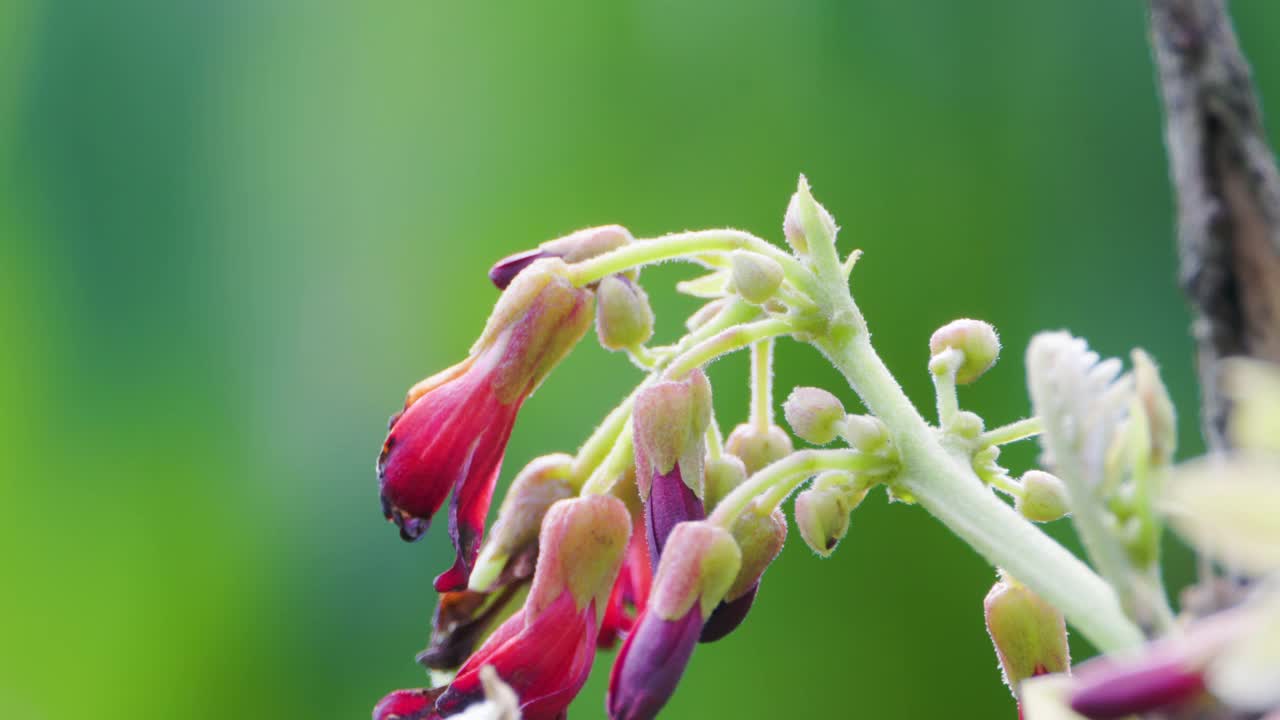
(505, 270)
(728, 615)
(406, 705)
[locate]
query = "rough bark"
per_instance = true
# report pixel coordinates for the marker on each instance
(1227, 190)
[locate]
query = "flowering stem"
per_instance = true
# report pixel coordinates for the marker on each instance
(786, 475)
(943, 369)
(683, 245)
(605, 440)
(727, 341)
(1013, 432)
(762, 385)
(948, 488)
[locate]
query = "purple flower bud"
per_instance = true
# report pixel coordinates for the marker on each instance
(650, 663)
(506, 269)
(671, 501)
(575, 247)
(728, 615)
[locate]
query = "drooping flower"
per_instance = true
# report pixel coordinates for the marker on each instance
(544, 652)
(574, 247)
(630, 592)
(760, 538)
(697, 568)
(453, 430)
(670, 422)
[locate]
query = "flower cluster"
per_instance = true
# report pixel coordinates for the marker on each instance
(655, 535)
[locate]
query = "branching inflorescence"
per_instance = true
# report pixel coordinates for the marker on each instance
(658, 531)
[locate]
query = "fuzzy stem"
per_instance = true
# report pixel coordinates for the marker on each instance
(949, 489)
(943, 368)
(762, 385)
(785, 475)
(727, 341)
(1013, 432)
(683, 245)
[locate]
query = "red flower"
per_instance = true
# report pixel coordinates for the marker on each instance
(453, 431)
(631, 589)
(544, 652)
(407, 705)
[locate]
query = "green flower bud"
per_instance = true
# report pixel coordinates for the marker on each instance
(758, 448)
(755, 277)
(976, 339)
(1029, 634)
(623, 316)
(514, 536)
(865, 433)
(670, 423)
(1044, 497)
(723, 474)
(814, 414)
(806, 222)
(760, 538)
(699, 566)
(822, 511)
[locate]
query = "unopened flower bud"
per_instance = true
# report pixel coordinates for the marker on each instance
(575, 247)
(760, 538)
(822, 514)
(865, 433)
(806, 222)
(513, 541)
(814, 414)
(692, 578)
(723, 474)
(623, 316)
(669, 430)
(1029, 634)
(1162, 422)
(1044, 497)
(757, 448)
(976, 339)
(755, 277)
(581, 546)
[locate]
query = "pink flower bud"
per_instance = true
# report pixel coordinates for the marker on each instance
(814, 414)
(670, 422)
(758, 448)
(454, 428)
(976, 339)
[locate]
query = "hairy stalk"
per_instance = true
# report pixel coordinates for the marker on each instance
(727, 341)
(949, 489)
(1013, 432)
(686, 245)
(781, 477)
(762, 385)
(604, 440)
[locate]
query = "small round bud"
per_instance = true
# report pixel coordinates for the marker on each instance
(755, 277)
(814, 414)
(1044, 497)
(723, 474)
(976, 339)
(623, 316)
(966, 424)
(822, 514)
(758, 448)
(865, 433)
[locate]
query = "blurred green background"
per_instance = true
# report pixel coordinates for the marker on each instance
(232, 234)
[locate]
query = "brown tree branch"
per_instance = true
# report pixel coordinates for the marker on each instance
(1228, 192)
